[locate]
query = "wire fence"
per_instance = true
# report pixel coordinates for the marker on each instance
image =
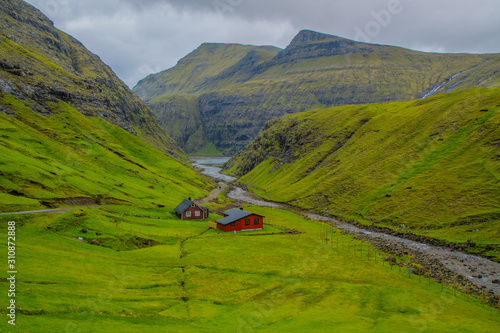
(336, 238)
(420, 273)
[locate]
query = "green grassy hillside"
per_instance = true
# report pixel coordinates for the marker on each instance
(40, 65)
(45, 160)
(432, 165)
(71, 132)
(196, 280)
(314, 71)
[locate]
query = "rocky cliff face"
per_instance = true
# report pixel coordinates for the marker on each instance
(41, 65)
(183, 121)
(314, 71)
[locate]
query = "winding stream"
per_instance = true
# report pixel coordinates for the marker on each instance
(480, 271)
(212, 168)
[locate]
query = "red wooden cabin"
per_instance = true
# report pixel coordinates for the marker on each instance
(188, 210)
(239, 220)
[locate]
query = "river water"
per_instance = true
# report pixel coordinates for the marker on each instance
(464, 264)
(212, 167)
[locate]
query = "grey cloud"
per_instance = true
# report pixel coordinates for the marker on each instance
(137, 37)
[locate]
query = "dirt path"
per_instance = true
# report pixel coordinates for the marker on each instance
(213, 195)
(477, 270)
(57, 210)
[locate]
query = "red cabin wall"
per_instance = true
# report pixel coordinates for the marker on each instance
(240, 224)
(193, 217)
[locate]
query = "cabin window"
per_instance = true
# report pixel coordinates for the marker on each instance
(247, 222)
(256, 221)
(197, 213)
(233, 224)
(188, 214)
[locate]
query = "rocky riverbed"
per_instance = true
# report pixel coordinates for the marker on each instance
(469, 272)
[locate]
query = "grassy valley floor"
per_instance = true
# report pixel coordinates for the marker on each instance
(160, 274)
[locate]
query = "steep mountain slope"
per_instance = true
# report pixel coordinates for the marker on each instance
(314, 71)
(173, 95)
(431, 164)
(71, 132)
(67, 158)
(40, 64)
(200, 69)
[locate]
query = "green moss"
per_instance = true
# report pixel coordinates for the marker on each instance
(12, 47)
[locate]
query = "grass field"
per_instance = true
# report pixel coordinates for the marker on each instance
(199, 280)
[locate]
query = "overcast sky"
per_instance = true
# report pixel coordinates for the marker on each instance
(140, 37)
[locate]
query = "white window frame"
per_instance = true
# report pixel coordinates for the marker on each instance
(188, 214)
(197, 213)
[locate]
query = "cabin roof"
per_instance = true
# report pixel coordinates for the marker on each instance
(185, 205)
(234, 215)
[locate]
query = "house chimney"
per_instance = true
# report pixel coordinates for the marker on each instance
(241, 208)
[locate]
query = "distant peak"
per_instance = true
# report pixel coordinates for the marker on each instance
(306, 36)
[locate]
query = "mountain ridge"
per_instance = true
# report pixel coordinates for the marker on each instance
(314, 71)
(153, 86)
(306, 36)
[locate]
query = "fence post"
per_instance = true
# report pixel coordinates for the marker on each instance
(430, 273)
(455, 286)
(483, 297)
